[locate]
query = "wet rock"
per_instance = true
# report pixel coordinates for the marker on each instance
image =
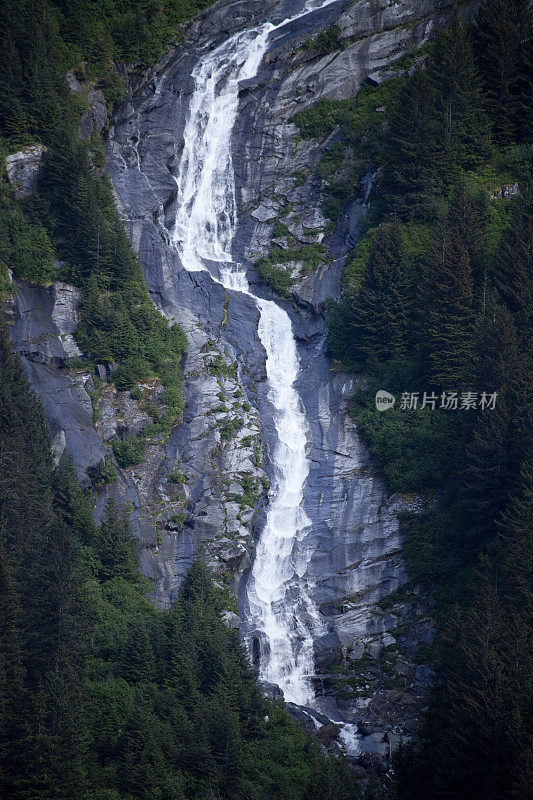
(374, 745)
(272, 690)
(69, 412)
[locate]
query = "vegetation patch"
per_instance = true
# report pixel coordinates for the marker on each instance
(177, 477)
(230, 429)
(129, 452)
(436, 303)
(327, 41)
(279, 277)
(219, 367)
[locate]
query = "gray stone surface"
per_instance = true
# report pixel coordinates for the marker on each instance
(94, 118)
(23, 169)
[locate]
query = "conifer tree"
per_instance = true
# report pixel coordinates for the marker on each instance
(379, 315)
(503, 35)
(116, 547)
(514, 272)
(449, 320)
(412, 178)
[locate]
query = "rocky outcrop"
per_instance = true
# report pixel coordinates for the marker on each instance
(200, 487)
(94, 119)
(23, 169)
(95, 116)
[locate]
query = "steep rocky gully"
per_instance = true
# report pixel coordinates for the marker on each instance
(366, 677)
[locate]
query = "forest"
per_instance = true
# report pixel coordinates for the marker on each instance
(437, 300)
(101, 695)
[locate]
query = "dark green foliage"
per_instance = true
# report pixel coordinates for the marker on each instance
(412, 448)
(41, 586)
(227, 431)
(327, 41)
(412, 175)
(277, 276)
(177, 477)
(438, 129)
(124, 327)
(26, 248)
(504, 52)
(449, 324)
(129, 451)
(115, 546)
(378, 312)
(73, 214)
(101, 695)
(33, 90)
(438, 296)
(179, 518)
(361, 134)
(219, 367)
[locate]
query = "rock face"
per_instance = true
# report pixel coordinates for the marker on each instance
(95, 117)
(23, 169)
(354, 535)
(197, 488)
(220, 450)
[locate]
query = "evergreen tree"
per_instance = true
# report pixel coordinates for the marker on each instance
(115, 546)
(378, 316)
(461, 125)
(449, 320)
(503, 35)
(412, 177)
(514, 272)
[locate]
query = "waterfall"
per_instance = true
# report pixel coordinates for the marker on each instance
(281, 610)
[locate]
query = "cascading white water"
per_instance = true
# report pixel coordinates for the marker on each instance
(280, 606)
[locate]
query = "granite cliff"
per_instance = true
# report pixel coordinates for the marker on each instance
(221, 450)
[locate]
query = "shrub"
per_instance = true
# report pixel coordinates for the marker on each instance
(177, 477)
(179, 518)
(129, 452)
(227, 431)
(278, 277)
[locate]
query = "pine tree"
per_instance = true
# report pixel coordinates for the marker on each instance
(376, 321)
(412, 179)
(470, 747)
(115, 546)
(514, 272)
(503, 37)
(461, 125)
(13, 699)
(449, 321)
(71, 504)
(497, 345)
